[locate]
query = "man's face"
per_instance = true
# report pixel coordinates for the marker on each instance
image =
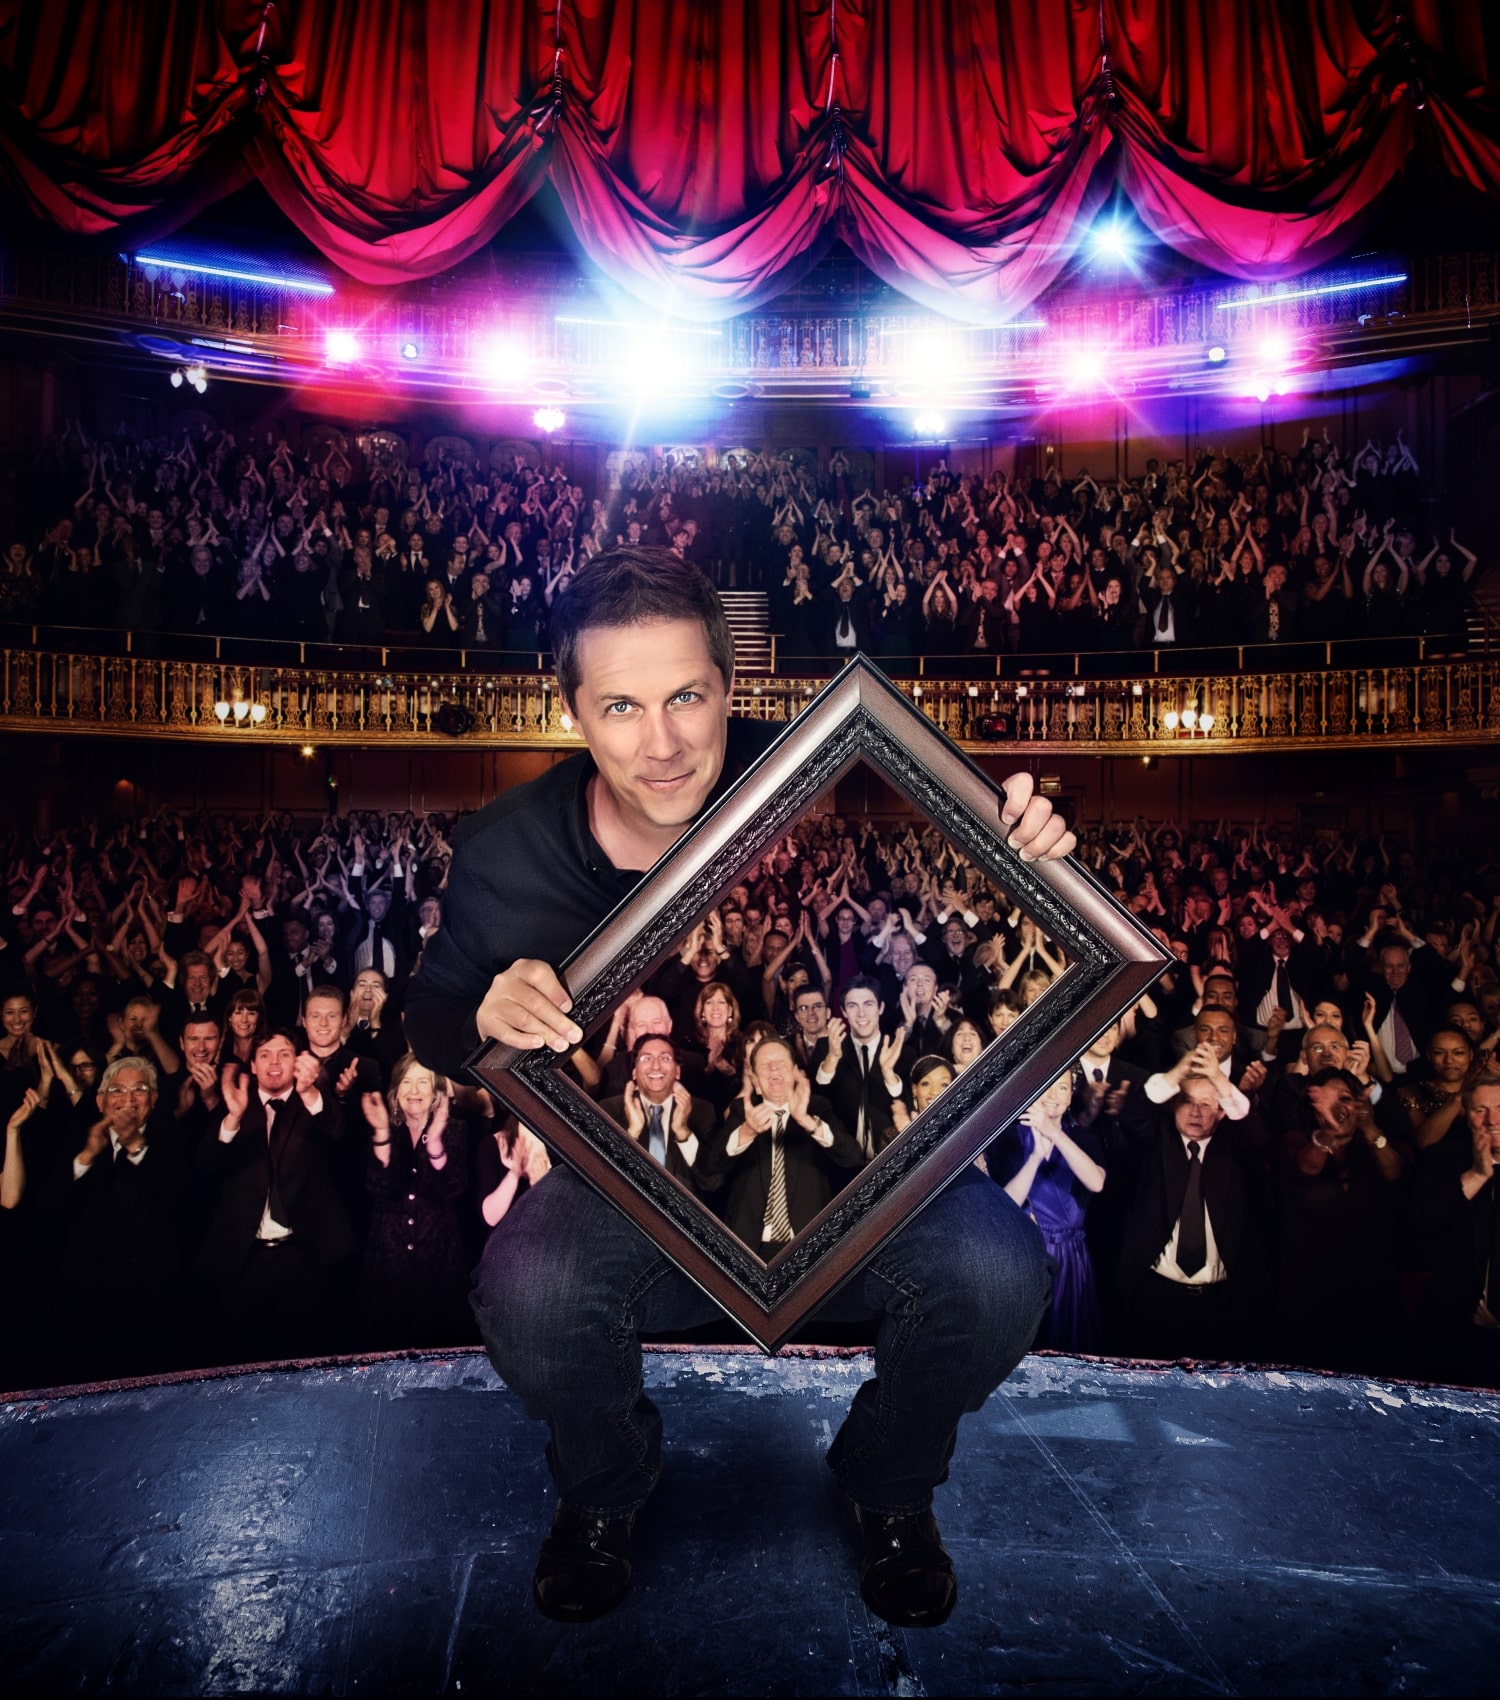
(862, 1011)
(1198, 1112)
(1216, 1029)
(1484, 1117)
(1219, 988)
(273, 1064)
(734, 928)
(1395, 967)
(200, 1042)
(85, 999)
(773, 1072)
(126, 1102)
(198, 983)
(1281, 944)
(378, 905)
(1325, 1047)
(811, 1012)
(647, 1015)
(656, 1071)
(902, 954)
(956, 939)
(1106, 1043)
(294, 936)
(323, 1020)
(653, 709)
(921, 982)
(1468, 1021)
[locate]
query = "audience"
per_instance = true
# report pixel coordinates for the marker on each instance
(1286, 1150)
(216, 533)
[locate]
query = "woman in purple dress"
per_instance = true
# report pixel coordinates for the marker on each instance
(1050, 1168)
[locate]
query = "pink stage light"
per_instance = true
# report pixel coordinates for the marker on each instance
(341, 348)
(502, 360)
(1084, 369)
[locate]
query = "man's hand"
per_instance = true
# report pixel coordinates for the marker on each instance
(1034, 830)
(345, 1082)
(305, 1076)
(635, 1112)
(759, 1118)
(682, 1109)
(1277, 1019)
(836, 1032)
(1359, 1061)
(98, 1141)
(527, 1006)
(801, 1097)
(1253, 1078)
(236, 1090)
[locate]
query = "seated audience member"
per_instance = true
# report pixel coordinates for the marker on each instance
(1052, 1169)
(416, 1253)
(781, 1153)
(659, 1113)
(1342, 1193)
(279, 1234)
(1434, 1106)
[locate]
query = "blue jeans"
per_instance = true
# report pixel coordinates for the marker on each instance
(567, 1285)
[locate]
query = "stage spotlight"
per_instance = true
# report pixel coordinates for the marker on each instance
(1085, 368)
(930, 425)
(409, 350)
(1274, 352)
(651, 363)
(1217, 355)
(502, 360)
(549, 419)
(1111, 242)
(934, 356)
(341, 348)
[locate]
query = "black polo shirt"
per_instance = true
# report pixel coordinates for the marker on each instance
(528, 879)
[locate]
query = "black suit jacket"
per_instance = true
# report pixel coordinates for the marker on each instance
(309, 1201)
(121, 1235)
(1234, 1193)
(813, 1174)
(1305, 970)
(847, 1090)
(701, 1119)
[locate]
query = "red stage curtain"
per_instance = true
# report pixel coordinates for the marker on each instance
(705, 150)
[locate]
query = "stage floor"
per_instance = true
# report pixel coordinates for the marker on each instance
(371, 1529)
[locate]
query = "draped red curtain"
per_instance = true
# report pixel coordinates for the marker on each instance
(707, 150)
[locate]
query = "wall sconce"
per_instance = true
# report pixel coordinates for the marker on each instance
(1169, 720)
(221, 711)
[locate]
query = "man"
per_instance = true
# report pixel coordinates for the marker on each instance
(1214, 1056)
(278, 1230)
(659, 1112)
(119, 1293)
(1281, 978)
(810, 1016)
(1192, 1256)
(782, 1151)
(645, 665)
(1410, 986)
(858, 1070)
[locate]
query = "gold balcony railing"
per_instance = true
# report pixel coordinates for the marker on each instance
(136, 696)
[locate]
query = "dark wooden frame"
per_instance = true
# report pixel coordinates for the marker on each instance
(860, 716)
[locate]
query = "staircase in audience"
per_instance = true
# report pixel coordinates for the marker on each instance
(750, 621)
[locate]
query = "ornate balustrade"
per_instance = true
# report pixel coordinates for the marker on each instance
(136, 696)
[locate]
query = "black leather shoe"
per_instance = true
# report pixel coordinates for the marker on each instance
(905, 1573)
(583, 1569)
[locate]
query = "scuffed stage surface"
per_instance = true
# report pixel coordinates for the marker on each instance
(371, 1529)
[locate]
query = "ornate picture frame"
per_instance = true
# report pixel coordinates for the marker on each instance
(1112, 960)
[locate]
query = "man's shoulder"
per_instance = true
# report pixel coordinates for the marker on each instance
(547, 794)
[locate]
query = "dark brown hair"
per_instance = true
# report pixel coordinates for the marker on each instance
(627, 587)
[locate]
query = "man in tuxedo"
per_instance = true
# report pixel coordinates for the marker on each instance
(1222, 988)
(924, 1010)
(858, 1070)
(1192, 1258)
(279, 1232)
(782, 1152)
(196, 996)
(1168, 610)
(118, 1300)
(290, 974)
(659, 1112)
(1411, 986)
(1215, 1055)
(377, 938)
(1281, 977)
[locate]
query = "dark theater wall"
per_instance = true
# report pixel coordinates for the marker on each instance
(1426, 799)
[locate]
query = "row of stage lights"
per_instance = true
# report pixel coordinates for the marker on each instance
(932, 368)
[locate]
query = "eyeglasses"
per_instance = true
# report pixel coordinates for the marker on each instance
(127, 1091)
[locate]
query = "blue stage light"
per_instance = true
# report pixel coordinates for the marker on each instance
(1270, 298)
(236, 270)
